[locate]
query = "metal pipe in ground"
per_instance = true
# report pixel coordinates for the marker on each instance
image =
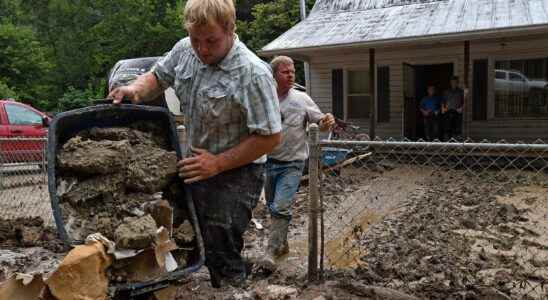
(313, 201)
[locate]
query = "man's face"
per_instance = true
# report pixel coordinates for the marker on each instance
(211, 42)
(285, 76)
(431, 90)
(454, 84)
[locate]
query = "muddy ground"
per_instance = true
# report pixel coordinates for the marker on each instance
(430, 234)
(28, 246)
(426, 233)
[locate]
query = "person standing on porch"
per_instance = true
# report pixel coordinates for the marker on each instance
(285, 164)
(452, 105)
(430, 108)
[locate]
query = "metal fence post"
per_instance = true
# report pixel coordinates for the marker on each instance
(313, 201)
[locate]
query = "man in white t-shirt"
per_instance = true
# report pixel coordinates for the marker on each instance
(285, 164)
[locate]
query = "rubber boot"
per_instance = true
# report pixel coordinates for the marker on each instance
(277, 244)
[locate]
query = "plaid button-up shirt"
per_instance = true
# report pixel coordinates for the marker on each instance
(225, 103)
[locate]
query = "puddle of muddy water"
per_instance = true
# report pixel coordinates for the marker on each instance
(344, 252)
(373, 197)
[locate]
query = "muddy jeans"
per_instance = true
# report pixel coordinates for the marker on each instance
(282, 183)
(224, 205)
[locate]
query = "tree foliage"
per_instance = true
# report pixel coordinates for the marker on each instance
(6, 92)
(24, 63)
(54, 52)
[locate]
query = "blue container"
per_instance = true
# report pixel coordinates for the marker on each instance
(332, 156)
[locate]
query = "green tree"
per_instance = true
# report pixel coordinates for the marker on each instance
(75, 98)
(88, 37)
(10, 11)
(270, 20)
(6, 92)
(24, 63)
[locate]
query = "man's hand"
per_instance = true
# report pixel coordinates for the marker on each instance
(327, 122)
(118, 94)
(145, 88)
(202, 166)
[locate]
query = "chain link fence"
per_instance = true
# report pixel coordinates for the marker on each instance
(454, 220)
(23, 179)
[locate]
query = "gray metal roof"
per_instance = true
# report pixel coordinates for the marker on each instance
(340, 22)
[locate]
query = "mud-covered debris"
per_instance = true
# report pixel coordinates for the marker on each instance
(184, 234)
(108, 174)
(161, 212)
(152, 129)
(141, 267)
(22, 287)
(276, 292)
(93, 157)
(103, 215)
(134, 136)
(91, 189)
(28, 232)
(136, 233)
(151, 169)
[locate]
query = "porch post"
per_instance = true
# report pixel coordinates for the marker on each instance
(302, 6)
(373, 110)
(467, 111)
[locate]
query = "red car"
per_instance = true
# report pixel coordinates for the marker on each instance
(23, 130)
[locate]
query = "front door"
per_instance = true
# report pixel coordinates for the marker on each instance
(416, 78)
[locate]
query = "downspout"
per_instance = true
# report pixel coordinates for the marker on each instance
(302, 4)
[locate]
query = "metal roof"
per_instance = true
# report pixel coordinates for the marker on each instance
(341, 22)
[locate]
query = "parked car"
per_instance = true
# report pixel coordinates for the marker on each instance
(18, 120)
(126, 71)
(510, 82)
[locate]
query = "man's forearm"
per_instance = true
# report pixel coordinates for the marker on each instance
(147, 87)
(247, 151)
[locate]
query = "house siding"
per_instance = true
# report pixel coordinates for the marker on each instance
(322, 62)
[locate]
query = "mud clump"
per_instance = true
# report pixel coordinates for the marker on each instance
(184, 234)
(150, 171)
(106, 177)
(136, 233)
(28, 232)
(93, 157)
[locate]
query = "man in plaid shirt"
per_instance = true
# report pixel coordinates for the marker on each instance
(228, 97)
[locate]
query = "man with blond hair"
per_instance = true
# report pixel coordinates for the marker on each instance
(285, 164)
(228, 97)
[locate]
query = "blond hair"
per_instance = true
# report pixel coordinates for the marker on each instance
(278, 61)
(205, 12)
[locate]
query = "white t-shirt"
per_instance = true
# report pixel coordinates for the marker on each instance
(297, 110)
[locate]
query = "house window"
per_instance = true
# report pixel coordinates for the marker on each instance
(358, 96)
(521, 88)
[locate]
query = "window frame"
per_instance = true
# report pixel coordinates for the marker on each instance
(7, 105)
(347, 94)
(491, 104)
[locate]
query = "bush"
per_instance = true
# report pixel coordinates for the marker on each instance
(6, 92)
(74, 98)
